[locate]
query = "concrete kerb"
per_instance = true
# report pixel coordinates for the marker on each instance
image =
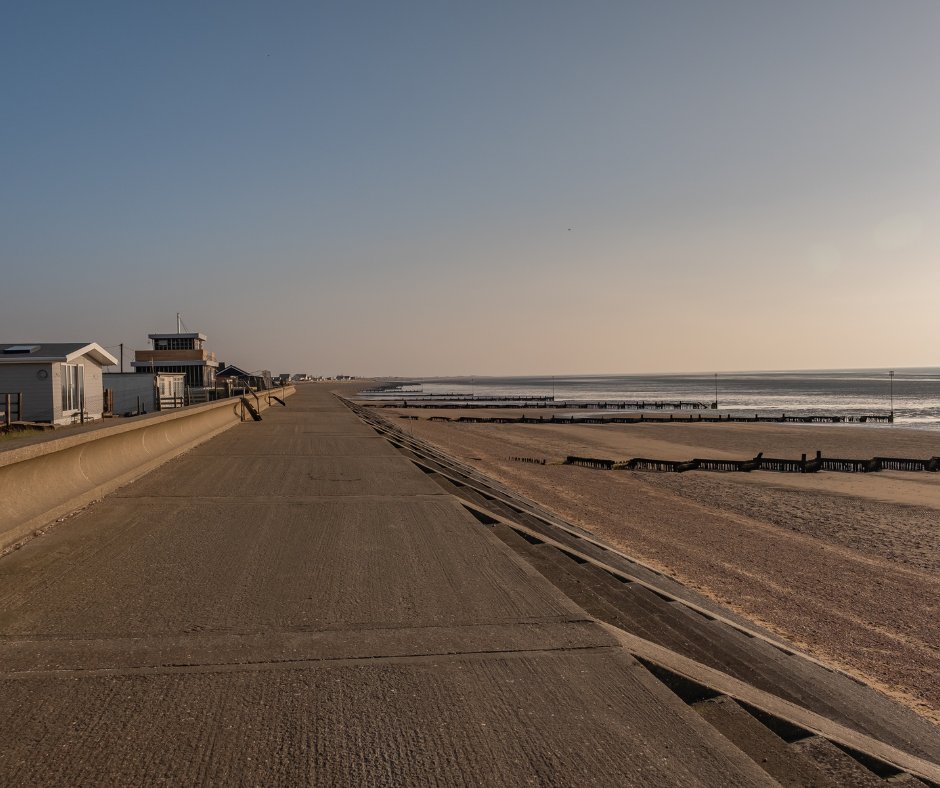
(44, 481)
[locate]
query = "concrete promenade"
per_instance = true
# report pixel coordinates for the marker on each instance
(294, 602)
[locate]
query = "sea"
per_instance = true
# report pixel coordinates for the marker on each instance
(913, 393)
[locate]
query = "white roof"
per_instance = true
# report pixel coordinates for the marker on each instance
(50, 352)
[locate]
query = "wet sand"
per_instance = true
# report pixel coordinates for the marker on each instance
(845, 565)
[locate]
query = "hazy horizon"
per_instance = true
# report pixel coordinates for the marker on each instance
(424, 190)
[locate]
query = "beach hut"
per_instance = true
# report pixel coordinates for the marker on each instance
(53, 382)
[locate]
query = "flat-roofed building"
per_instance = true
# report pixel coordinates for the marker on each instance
(182, 353)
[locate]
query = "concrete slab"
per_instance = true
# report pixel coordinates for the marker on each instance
(308, 422)
(279, 478)
(176, 566)
(244, 443)
(52, 657)
(550, 719)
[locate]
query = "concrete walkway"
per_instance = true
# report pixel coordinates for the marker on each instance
(295, 602)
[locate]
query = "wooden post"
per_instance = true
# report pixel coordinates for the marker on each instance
(7, 411)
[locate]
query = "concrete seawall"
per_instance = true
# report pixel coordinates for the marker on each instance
(42, 481)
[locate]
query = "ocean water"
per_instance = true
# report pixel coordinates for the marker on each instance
(853, 392)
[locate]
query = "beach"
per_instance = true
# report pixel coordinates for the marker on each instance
(846, 566)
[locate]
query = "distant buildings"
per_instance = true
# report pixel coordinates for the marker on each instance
(239, 377)
(55, 382)
(64, 383)
(180, 352)
(286, 378)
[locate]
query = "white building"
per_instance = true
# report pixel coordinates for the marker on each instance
(56, 382)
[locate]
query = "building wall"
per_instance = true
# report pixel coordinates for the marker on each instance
(197, 375)
(94, 392)
(38, 400)
(169, 356)
(56, 391)
(42, 399)
(94, 389)
(171, 391)
(127, 387)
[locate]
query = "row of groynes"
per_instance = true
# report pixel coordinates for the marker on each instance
(532, 460)
(758, 463)
(538, 402)
(673, 419)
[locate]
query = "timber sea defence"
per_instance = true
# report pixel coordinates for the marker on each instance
(730, 418)
(758, 463)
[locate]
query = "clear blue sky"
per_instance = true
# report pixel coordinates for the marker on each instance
(471, 188)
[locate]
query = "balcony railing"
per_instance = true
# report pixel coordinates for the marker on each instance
(146, 356)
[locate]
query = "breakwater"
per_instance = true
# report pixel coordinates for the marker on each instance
(915, 400)
(537, 402)
(455, 400)
(691, 418)
(759, 463)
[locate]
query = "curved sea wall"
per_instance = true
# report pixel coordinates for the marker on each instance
(43, 481)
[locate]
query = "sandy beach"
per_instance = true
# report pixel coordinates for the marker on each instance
(845, 565)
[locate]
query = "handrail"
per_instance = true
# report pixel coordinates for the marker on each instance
(251, 391)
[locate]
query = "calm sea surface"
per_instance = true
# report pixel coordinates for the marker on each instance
(916, 391)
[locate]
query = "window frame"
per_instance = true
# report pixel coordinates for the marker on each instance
(72, 383)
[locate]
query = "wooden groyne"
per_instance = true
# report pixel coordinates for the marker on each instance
(429, 402)
(392, 388)
(591, 462)
(900, 464)
(762, 463)
(454, 400)
(646, 464)
(673, 419)
(843, 465)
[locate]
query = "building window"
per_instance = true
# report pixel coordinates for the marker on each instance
(177, 343)
(73, 387)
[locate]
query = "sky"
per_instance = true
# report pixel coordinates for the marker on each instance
(472, 188)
